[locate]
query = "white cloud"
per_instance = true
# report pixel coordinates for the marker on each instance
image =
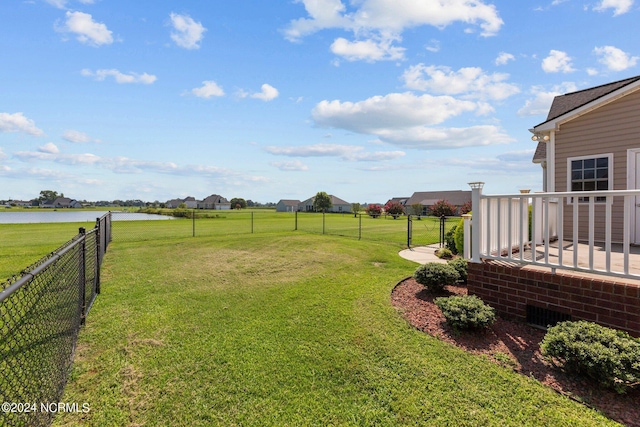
(268, 93)
(377, 24)
(78, 137)
(208, 89)
(62, 4)
(188, 33)
(101, 75)
(619, 7)
(433, 46)
(295, 165)
(503, 58)
(421, 137)
(49, 148)
(17, 122)
(396, 110)
(87, 30)
(392, 16)
(367, 50)
(2, 155)
(556, 62)
(472, 82)
(615, 59)
(543, 99)
(345, 152)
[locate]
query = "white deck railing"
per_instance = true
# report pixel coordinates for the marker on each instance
(499, 230)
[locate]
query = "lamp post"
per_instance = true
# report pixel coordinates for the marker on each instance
(472, 239)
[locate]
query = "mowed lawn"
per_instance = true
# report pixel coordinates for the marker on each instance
(280, 329)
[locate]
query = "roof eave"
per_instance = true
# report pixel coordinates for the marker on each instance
(554, 124)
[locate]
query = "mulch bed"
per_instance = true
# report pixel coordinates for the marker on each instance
(512, 344)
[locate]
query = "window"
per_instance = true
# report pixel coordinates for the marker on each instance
(590, 173)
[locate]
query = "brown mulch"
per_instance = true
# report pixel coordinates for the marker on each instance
(512, 344)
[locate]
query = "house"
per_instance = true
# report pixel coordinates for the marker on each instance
(214, 202)
(190, 202)
(338, 205)
(429, 198)
(64, 203)
(590, 141)
(288, 205)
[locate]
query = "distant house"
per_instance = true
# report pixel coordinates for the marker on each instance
(214, 202)
(190, 202)
(429, 198)
(65, 203)
(20, 203)
(288, 205)
(339, 205)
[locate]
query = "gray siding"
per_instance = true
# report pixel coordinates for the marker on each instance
(612, 128)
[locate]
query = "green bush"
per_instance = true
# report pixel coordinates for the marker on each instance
(466, 312)
(459, 237)
(450, 241)
(435, 276)
(444, 253)
(609, 356)
(460, 264)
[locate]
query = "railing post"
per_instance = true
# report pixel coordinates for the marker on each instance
(476, 222)
(467, 236)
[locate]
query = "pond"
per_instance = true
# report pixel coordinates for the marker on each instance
(23, 217)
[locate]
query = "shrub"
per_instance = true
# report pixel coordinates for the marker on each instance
(444, 253)
(435, 276)
(460, 264)
(373, 210)
(458, 237)
(609, 356)
(466, 312)
(449, 240)
(394, 209)
(442, 207)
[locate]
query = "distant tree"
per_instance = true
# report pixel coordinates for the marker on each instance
(238, 203)
(395, 209)
(465, 208)
(250, 203)
(442, 207)
(416, 209)
(374, 211)
(49, 195)
(322, 202)
(355, 208)
(182, 205)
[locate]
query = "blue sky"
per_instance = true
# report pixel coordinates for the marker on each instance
(269, 100)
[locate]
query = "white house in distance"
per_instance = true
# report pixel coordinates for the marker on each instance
(339, 205)
(214, 202)
(429, 198)
(288, 206)
(190, 202)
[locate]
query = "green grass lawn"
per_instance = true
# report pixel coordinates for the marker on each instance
(280, 329)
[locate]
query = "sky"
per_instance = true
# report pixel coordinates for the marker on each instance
(268, 100)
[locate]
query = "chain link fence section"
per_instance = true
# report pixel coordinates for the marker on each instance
(41, 311)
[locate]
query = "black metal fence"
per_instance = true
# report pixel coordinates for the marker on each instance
(403, 230)
(41, 311)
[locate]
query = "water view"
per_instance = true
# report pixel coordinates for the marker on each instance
(73, 216)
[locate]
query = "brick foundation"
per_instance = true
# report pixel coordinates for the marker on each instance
(509, 289)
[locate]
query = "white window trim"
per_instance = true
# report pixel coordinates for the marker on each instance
(590, 156)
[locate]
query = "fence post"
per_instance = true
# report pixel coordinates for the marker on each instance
(82, 273)
(323, 222)
(193, 222)
(251, 222)
(296, 222)
(359, 226)
(442, 222)
(409, 230)
(98, 250)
